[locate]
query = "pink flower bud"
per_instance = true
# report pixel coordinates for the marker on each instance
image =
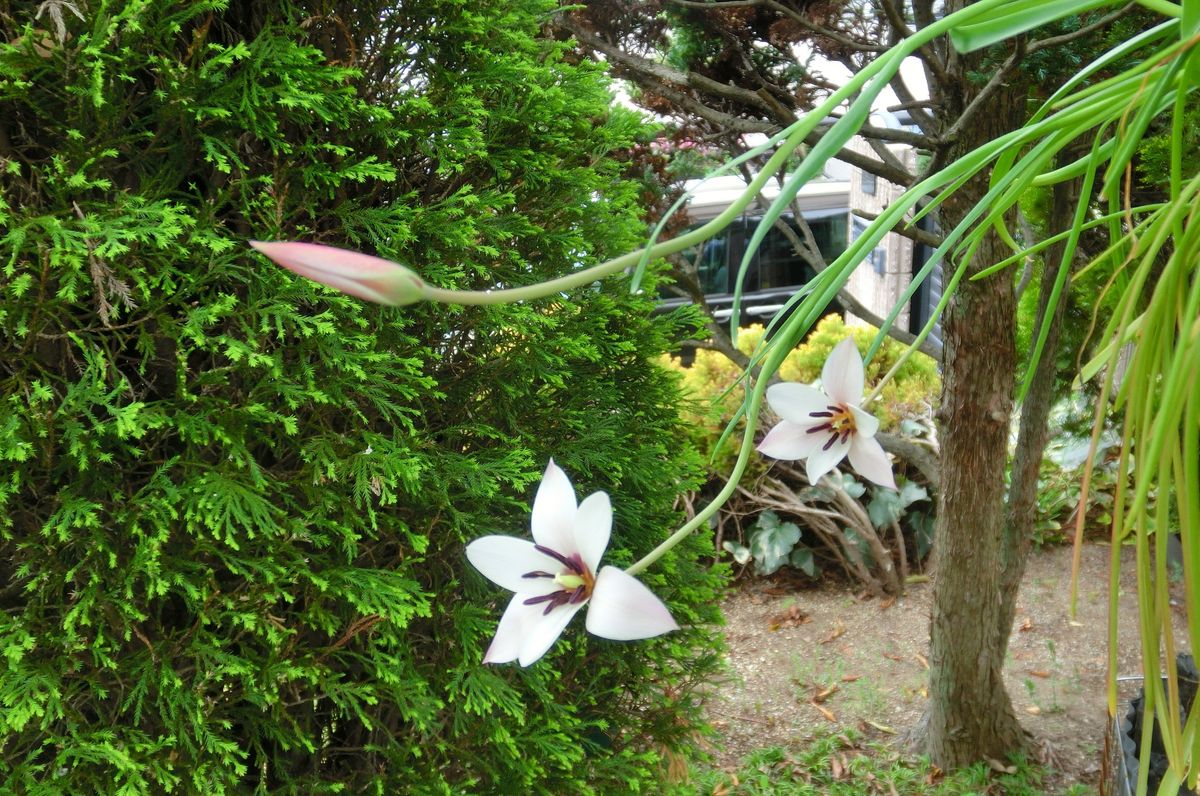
(353, 273)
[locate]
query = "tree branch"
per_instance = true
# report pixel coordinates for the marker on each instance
(842, 39)
(919, 455)
(900, 30)
(897, 136)
(983, 98)
(912, 233)
(1086, 30)
(663, 73)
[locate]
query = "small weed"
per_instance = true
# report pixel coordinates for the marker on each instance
(844, 764)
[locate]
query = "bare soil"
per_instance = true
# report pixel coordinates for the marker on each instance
(807, 661)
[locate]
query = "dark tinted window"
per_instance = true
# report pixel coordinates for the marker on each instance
(778, 263)
(775, 265)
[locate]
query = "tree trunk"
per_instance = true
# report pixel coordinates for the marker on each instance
(1035, 411)
(970, 714)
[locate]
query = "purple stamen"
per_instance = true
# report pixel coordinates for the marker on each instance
(820, 414)
(552, 600)
(822, 427)
(537, 573)
(570, 564)
(829, 444)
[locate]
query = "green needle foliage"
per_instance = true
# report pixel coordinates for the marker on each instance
(233, 503)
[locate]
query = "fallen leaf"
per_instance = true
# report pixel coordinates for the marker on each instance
(1042, 673)
(1027, 624)
(1033, 710)
(881, 727)
(893, 656)
(888, 603)
(828, 714)
(824, 694)
(934, 776)
(792, 617)
(999, 767)
(850, 678)
(836, 769)
(921, 659)
(838, 630)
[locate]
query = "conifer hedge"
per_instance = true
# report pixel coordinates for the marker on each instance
(233, 504)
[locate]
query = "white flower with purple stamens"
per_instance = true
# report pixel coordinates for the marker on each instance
(825, 425)
(556, 574)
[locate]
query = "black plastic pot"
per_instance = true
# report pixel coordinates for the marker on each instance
(1130, 735)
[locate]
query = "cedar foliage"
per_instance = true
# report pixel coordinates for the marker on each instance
(233, 503)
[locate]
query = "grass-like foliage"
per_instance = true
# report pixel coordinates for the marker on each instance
(233, 504)
(846, 765)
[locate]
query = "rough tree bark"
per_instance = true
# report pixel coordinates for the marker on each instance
(982, 541)
(970, 714)
(1034, 431)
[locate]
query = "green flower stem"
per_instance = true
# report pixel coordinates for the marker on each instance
(625, 261)
(754, 405)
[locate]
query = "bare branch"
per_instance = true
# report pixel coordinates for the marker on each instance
(837, 36)
(900, 30)
(915, 107)
(731, 123)
(984, 97)
(663, 73)
(923, 457)
(898, 136)
(912, 233)
(885, 154)
(1086, 30)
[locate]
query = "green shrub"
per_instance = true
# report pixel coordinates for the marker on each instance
(233, 504)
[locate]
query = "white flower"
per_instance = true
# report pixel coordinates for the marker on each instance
(825, 425)
(556, 574)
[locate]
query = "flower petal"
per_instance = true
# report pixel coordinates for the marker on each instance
(553, 519)
(869, 460)
(865, 423)
(790, 441)
(796, 402)
(354, 273)
(821, 460)
(506, 644)
(593, 525)
(505, 559)
(623, 609)
(842, 375)
(543, 630)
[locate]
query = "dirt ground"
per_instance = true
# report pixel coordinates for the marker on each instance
(807, 661)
